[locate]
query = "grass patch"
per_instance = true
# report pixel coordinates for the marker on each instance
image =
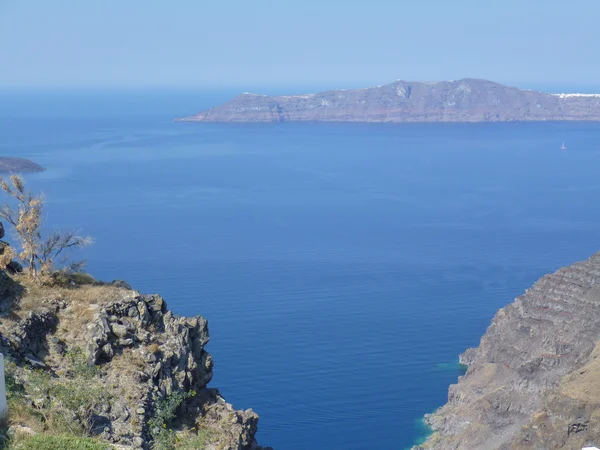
(163, 437)
(192, 441)
(63, 278)
(58, 405)
(82, 302)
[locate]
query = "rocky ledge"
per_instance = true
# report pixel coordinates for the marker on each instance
(18, 165)
(106, 361)
(466, 100)
(534, 380)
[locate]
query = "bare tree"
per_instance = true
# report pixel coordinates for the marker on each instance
(38, 252)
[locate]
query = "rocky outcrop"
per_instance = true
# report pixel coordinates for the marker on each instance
(466, 100)
(140, 354)
(179, 361)
(28, 337)
(534, 380)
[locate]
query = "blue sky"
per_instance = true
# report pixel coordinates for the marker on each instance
(337, 43)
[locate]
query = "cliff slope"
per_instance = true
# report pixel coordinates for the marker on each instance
(466, 100)
(102, 360)
(534, 380)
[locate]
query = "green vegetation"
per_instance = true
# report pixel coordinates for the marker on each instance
(70, 278)
(165, 411)
(192, 441)
(57, 405)
(13, 389)
(78, 365)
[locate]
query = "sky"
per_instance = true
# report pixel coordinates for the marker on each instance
(335, 43)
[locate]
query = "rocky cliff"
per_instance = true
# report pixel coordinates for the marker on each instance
(102, 360)
(467, 100)
(534, 380)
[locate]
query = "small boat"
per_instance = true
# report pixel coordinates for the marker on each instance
(564, 147)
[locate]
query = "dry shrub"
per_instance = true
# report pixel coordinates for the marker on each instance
(38, 250)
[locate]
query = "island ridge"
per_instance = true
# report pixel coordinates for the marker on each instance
(466, 100)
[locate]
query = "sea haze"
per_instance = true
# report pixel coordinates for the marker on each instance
(342, 267)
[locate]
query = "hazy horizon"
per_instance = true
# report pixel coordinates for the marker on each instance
(266, 43)
(276, 88)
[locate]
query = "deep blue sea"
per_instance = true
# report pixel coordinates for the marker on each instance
(342, 267)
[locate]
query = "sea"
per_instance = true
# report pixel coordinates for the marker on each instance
(342, 267)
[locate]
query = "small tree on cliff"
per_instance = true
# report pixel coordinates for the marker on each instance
(38, 252)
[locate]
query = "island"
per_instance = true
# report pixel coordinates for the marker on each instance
(10, 164)
(466, 100)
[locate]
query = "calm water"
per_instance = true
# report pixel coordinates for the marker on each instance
(342, 267)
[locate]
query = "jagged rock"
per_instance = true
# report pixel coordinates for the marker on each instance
(96, 338)
(10, 291)
(14, 267)
(29, 338)
(119, 330)
(133, 313)
(107, 351)
(144, 312)
(35, 363)
(144, 354)
(181, 364)
(121, 284)
(238, 427)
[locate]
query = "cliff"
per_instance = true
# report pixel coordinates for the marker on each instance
(107, 363)
(466, 100)
(534, 380)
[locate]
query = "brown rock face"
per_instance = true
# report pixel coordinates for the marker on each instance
(140, 354)
(534, 380)
(466, 100)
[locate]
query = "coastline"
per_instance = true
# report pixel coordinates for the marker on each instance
(531, 382)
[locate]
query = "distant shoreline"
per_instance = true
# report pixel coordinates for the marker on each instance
(389, 122)
(9, 164)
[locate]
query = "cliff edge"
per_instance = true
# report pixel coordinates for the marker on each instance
(466, 100)
(534, 380)
(91, 360)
